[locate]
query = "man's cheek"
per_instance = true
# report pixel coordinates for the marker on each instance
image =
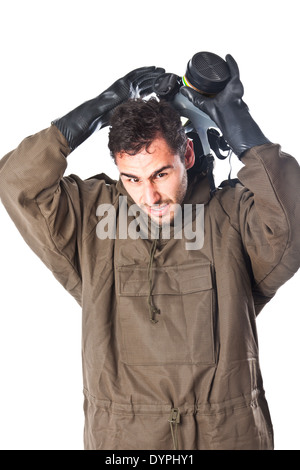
(135, 194)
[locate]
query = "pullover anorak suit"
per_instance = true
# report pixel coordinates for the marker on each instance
(198, 365)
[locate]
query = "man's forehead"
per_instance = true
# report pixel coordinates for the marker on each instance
(159, 144)
(157, 155)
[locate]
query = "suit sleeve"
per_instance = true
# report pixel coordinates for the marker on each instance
(268, 217)
(44, 206)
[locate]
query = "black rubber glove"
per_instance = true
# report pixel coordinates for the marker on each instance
(230, 112)
(94, 114)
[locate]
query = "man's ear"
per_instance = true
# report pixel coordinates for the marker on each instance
(189, 157)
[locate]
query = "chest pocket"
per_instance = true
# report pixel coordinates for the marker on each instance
(184, 333)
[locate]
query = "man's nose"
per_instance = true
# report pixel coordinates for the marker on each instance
(151, 195)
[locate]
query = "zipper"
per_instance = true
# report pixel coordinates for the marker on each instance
(174, 420)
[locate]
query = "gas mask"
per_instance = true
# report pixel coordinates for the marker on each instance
(208, 74)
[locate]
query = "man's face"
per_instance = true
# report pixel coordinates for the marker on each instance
(156, 179)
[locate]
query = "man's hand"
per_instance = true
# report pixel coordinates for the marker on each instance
(230, 112)
(93, 115)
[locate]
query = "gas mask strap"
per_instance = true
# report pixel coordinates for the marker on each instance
(210, 167)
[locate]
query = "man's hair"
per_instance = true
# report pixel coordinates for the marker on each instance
(136, 123)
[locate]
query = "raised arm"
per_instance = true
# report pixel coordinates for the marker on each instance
(265, 209)
(47, 207)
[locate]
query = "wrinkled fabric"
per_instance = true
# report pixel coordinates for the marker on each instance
(202, 354)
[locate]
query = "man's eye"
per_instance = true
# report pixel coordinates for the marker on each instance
(133, 180)
(160, 175)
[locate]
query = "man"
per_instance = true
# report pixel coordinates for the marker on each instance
(169, 343)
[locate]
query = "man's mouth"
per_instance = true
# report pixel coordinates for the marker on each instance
(158, 210)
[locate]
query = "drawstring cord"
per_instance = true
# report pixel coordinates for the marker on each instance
(174, 420)
(152, 309)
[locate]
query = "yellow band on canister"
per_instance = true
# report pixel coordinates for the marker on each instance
(187, 83)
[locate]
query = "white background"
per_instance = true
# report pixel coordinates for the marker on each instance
(56, 54)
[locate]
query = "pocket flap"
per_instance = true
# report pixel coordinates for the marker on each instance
(166, 280)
